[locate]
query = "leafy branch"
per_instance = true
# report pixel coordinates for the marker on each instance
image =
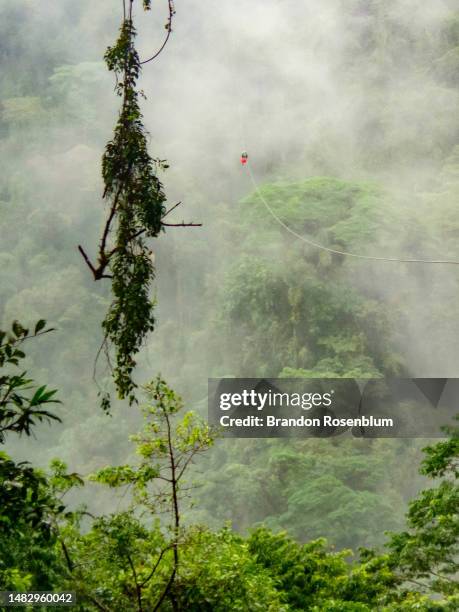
(136, 212)
(428, 550)
(166, 446)
(19, 408)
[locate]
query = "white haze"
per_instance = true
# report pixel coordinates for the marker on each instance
(273, 77)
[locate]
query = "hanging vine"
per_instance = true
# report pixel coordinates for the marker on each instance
(136, 212)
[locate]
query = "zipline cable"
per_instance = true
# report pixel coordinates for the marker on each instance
(335, 251)
(317, 245)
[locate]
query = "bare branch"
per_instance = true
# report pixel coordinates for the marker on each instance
(86, 258)
(138, 587)
(169, 32)
(183, 224)
(156, 565)
(105, 257)
(171, 209)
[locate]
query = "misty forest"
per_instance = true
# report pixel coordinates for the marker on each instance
(137, 260)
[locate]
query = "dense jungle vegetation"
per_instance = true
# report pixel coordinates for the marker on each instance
(89, 504)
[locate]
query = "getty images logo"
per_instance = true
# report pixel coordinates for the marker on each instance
(270, 398)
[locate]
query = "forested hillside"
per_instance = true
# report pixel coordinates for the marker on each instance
(349, 113)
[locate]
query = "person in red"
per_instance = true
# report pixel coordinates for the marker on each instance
(244, 157)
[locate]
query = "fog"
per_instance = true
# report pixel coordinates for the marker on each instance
(307, 88)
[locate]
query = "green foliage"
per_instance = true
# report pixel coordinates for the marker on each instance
(24, 498)
(30, 502)
(310, 488)
(427, 553)
(220, 572)
(217, 570)
(288, 316)
(314, 578)
(348, 211)
(282, 308)
(21, 405)
(325, 505)
(30, 509)
(166, 448)
(136, 201)
(119, 552)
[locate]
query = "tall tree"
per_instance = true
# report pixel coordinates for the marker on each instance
(427, 553)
